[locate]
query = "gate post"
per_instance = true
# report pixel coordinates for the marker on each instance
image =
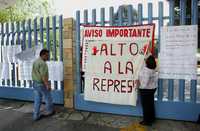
(68, 46)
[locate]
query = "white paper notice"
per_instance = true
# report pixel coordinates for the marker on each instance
(177, 58)
(55, 70)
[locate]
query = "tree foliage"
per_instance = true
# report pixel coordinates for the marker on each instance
(24, 9)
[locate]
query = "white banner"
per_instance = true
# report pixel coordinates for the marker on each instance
(177, 58)
(112, 57)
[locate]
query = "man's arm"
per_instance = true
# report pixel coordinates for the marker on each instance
(46, 83)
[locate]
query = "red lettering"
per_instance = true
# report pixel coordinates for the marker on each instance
(148, 32)
(125, 33)
(139, 32)
(93, 33)
(116, 32)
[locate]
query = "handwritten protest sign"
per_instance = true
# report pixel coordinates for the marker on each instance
(112, 58)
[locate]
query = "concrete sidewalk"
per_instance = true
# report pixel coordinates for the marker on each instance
(17, 116)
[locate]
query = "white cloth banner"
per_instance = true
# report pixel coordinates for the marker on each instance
(177, 58)
(112, 58)
(4, 54)
(5, 71)
(9, 52)
(55, 70)
(12, 50)
(25, 69)
(29, 54)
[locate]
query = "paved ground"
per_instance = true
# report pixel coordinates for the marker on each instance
(17, 116)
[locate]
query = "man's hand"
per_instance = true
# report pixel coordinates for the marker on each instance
(48, 86)
(46, 83)
(137, 83)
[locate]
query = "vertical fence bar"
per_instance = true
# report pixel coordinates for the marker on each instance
(182, 22)
(54, 44)
(102, 15)
(8, 43)
(81, 50)
(13, 64)
(85, 13)
(111, 16)
(13, 33)
(150, 13)
(171, 12)
(7, 34)
(61, 37)
(78, 82)
(94, 16)
(2, 35)
(171, 22)
(29, 84)
(23, 44)
(2, 44)
(120, 20)
(194, 21)
(18, 43)
(41, 32)
(140, 13)
(194, 11)
(182, 12)
(54, 38)
(29, 34)
(160, 81)
(47, 34)
(61, 44)
(23, 35)
(130, 15)
(150, 20)
(35, 32)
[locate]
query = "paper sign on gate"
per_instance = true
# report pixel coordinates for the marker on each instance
(177, 59)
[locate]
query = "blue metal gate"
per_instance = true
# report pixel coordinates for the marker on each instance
(46, 32)
(175, 99)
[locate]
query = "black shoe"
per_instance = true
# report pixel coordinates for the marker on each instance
(145, 123)
(49, 114)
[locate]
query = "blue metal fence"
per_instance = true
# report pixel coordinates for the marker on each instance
(28, 34)
(171, 100)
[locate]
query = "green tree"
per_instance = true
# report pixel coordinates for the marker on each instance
(24, 9)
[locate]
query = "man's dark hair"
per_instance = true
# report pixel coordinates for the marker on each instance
(43, 52)
(151, 62)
